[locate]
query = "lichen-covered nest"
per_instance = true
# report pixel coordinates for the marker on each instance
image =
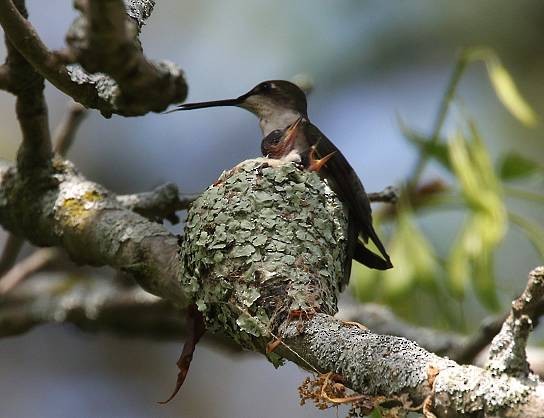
(266, 240)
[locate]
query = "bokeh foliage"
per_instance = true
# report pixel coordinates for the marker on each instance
(475, 187)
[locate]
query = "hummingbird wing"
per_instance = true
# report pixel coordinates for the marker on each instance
(347, 185)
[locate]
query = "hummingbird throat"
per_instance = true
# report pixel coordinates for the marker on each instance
(272, 117)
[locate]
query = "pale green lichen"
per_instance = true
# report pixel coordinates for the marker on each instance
(261, 242)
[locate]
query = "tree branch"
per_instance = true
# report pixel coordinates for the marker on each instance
(93, 90)
(388, 195)
(35, 262)
(62, 208)
(92, 304)
(161, 203)
(507, 352)
(382, 320)
(35, 150)
(5, 79)
(104, 40)
(11, 250)
(386, 367)
(23, 36)
(66, 131)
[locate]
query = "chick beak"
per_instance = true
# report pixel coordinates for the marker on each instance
(291, 135)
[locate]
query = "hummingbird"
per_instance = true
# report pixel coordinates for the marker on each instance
(281, 108)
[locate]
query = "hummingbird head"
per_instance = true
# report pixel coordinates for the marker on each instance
(277, 104)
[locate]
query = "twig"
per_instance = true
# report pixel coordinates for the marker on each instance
(65, 133)
(471, 346)
(166, 82)
(104, 40)
(35, 262)
(507, 352)
(5, 79)
(91, 303)
(140, 10)
(11, 250)
(388, 195)
(95, 304)
(161, 203)
(448, 97)
(24, 37)
(35, 150)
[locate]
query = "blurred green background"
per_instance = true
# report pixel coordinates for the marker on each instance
(380, 71)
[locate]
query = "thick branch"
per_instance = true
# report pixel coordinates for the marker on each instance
(386, 366)
(23, 36)
(5, 79)
(96, 91)
(62, 208)
(507, 352)
(31, 108)
(104, 41)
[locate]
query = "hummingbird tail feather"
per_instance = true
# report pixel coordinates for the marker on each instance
(376, 240)
(366, 257)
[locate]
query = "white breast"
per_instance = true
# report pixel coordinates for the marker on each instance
(276, 119)
(271, 115)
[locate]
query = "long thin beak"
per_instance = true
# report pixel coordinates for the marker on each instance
(202, 105)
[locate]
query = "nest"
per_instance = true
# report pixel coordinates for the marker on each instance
(266, 240)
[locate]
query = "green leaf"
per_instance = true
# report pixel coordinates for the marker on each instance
(484, 281)
(532, 231)
(514, 166)
(508, 93)
(472, 252)
(458, 268)
(364, 282)
(376, 413)
(413, 255)
(504, 85)
(471, 258)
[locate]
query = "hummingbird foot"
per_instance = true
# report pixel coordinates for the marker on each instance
(195, 329)
(315, 163)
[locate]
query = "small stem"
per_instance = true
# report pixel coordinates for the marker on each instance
(27, 267)
(66, 131)
(448, 97)
(523, 194)
(12, 247)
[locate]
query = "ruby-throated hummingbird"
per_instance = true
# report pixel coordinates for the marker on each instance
(282, 111)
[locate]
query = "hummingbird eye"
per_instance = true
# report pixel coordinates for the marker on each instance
(275, 136)
(266, 86)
